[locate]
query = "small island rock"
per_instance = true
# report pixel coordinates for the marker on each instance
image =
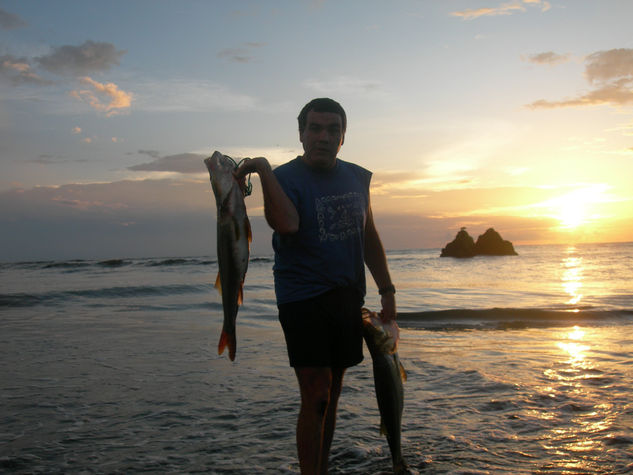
(489, 243)
(462, 246)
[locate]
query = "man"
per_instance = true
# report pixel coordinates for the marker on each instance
(318, 206)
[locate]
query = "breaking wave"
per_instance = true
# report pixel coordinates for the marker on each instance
(511, 318)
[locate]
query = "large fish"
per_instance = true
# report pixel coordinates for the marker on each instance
(234, 237)
(389, 374)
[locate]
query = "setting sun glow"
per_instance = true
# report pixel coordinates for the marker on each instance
(573, 212)
(578, 208)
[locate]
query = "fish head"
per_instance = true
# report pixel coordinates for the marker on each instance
(221, 169)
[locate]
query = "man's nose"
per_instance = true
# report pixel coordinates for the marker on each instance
(324, 136)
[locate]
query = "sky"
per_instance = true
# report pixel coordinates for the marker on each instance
(515, 114)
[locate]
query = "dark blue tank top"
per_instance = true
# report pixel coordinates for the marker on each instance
(328, 249)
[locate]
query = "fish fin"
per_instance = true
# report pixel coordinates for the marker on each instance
(240, 295)
(403, 373)
(248, 230)
(227, 340)
(218, 283)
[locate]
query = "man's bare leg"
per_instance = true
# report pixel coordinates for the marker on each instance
(330, 417)
(315, 385)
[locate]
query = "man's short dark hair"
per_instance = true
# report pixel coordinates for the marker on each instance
(322, 104)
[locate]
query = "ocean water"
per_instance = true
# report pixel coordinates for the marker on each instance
(519, 364)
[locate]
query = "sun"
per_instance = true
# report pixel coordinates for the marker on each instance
(577, 208)
(572, 212)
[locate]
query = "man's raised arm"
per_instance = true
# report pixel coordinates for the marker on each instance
(280, 212)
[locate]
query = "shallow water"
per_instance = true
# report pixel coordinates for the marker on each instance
(112, 368)
(146, 395)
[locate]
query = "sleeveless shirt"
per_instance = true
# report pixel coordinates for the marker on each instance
(328, 249)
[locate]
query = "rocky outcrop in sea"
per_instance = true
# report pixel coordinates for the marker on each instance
(489, 243)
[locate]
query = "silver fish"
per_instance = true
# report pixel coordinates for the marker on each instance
(381, 339)
(234, 237)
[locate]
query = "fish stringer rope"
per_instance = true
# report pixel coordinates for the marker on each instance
(249, 186)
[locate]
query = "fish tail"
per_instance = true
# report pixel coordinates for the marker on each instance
(224, 338)
(227, 340)
(218, 283)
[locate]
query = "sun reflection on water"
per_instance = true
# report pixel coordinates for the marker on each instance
(580, 414)
(574, 347)
(575, 350)
(572, 276)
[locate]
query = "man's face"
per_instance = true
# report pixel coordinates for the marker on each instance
(322, 139)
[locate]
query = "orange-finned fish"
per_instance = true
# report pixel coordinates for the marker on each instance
(234, 237)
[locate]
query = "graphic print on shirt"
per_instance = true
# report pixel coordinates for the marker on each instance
(340, 217)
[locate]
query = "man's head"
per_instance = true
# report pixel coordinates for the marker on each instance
(322, 132)
(323, 104)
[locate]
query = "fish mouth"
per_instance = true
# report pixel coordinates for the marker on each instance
(367, 316)
(386, 335)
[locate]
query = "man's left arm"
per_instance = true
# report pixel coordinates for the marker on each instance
(376, 261)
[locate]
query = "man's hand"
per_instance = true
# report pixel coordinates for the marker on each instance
(248, 166)
(251, 165)
(280, 212)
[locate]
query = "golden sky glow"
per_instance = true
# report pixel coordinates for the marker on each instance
(512, 115)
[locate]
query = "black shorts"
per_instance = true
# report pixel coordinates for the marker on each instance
(324, 331)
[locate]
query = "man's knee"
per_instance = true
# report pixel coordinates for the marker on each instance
(315, 385)
(316, 401)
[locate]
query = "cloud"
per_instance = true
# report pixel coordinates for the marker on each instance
(10, 21)
(610, 73)
(48, 159)
(548, 58)
(617, 93)
(150, 153)
(241, 54)
(137, 196)
(170, 217)
(18, 71)
(508, 8)
(192, 163)
(106, 98)
(80, 60)
(609, 65)
(118, 219)
(181, 163)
